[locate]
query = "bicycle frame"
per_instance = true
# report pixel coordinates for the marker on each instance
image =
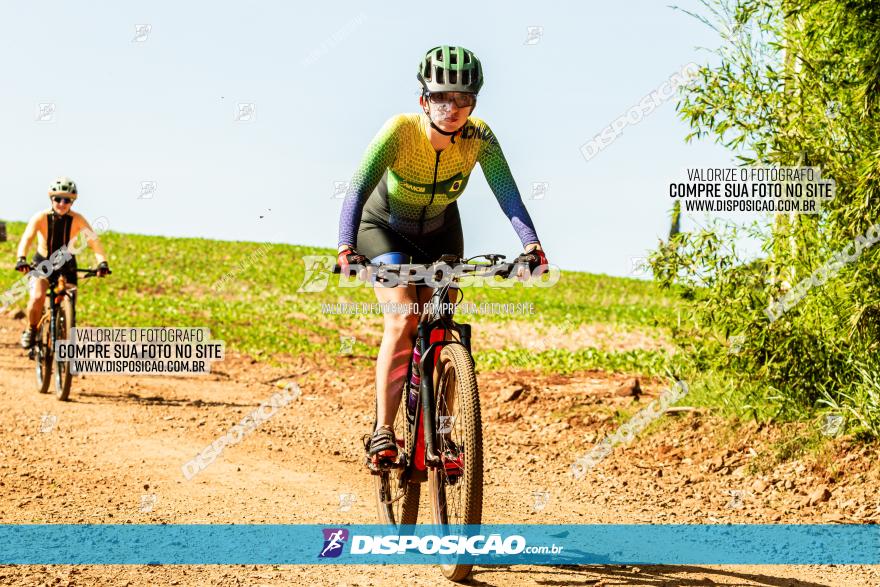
(433, 335)
(55, 295)
(426, 453)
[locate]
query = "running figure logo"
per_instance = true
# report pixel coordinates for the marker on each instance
(317, 274)
(334, 540)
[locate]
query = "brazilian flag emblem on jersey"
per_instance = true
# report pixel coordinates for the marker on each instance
(453, 185)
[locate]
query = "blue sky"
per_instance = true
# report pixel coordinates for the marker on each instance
(323, 78)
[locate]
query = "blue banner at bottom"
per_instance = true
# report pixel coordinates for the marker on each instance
(221, 544)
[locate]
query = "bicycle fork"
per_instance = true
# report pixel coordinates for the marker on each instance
(426, 393)
(426, 385)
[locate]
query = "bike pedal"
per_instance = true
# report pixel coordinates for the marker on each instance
(452, 469)
(452, 465)
(385, 462)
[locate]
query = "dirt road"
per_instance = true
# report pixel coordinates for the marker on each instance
(113, 454)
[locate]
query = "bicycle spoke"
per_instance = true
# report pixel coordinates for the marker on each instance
(450, 443)
(457, 485)
(398, 503)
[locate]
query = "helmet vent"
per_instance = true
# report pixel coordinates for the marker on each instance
(447, 68)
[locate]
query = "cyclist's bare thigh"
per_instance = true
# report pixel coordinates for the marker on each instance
(416, 297)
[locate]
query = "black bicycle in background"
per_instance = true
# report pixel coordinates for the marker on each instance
(439, 414)
(58, 318)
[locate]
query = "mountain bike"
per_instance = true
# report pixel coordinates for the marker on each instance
(438, 417)
(58, 318)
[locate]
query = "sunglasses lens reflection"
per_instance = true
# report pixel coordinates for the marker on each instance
(460, 100)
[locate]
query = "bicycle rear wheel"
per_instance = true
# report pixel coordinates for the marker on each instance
(43, 355)
(63, 324)
(456, 488)
(396, 498)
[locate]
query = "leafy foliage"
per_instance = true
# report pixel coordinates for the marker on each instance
(793, 83)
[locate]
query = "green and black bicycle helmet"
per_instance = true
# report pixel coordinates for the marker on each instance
(450, 69)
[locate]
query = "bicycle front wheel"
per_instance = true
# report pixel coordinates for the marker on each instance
(43, 355)
(63, 324)
(456, 488)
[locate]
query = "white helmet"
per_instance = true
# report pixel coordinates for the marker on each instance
(63, 186)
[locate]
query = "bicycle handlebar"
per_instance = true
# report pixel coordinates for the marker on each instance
(502, 269)
(91, 272)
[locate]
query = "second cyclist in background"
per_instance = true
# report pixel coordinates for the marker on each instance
(55, 229)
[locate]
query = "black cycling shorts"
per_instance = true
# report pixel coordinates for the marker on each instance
(68, 270)
(376, 237)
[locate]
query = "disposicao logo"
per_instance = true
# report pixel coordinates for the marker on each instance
(478, 545)
(334, 540)
(444, 545)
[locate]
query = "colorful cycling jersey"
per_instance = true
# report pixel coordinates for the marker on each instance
(422, 182)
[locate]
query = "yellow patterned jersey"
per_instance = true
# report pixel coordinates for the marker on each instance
(416, 183)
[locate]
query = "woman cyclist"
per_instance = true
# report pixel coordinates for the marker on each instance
(55, 229)
(400, 206)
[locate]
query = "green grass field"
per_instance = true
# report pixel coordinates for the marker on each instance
(257, 309)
